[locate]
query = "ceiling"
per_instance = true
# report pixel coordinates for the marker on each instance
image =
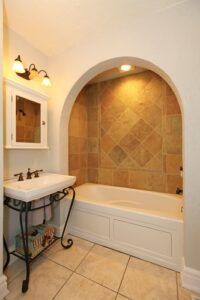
(55, 25)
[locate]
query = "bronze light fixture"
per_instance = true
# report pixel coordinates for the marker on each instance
(31, 72)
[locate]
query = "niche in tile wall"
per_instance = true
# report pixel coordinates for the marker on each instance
(127, 132)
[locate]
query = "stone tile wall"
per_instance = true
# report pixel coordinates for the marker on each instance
(78, 140)
(134, 133)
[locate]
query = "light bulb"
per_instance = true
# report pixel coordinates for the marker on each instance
(125, 68)
(18, 65)
(46, 81)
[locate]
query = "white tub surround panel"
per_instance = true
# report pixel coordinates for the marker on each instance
(149, 234)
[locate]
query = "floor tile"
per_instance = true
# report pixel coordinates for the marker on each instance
(104, 266)
(120, 297)
(81, 288)
(14, 269)
(183, 293)
(69, 258)
(45, 281)
(146, 281)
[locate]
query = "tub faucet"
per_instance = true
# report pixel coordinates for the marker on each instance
(179, 191)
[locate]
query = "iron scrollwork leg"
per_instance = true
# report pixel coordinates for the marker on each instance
(7, 254)
(24, 233)
(69, 241)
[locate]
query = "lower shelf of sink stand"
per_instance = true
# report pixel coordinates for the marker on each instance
(22, 256)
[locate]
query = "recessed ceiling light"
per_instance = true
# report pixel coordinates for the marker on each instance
(125, 68)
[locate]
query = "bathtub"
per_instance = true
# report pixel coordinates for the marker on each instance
(144, 224)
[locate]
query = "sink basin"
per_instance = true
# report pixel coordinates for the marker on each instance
(36, 188)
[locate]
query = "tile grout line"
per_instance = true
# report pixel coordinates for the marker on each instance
(62, 286)
(123, 275)
(72, 272)
(85, 256)
(92, 280)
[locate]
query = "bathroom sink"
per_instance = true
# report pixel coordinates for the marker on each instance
(36, 188)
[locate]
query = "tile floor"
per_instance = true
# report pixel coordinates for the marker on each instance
(88, 271)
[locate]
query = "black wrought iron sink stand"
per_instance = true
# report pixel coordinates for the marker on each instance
(24, 208)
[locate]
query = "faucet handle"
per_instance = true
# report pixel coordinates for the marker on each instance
(20, 176)
(37, 172)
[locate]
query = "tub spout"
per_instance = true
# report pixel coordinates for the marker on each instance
(179, 191)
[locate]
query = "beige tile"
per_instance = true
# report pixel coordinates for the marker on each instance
(104, 266)
(128, 118)
(74, 161)
(139, 180)
(129, 143)
(106, 161)
(129, 163)
(93, 129)
(93, 160)
(141, 130)
(106, 176)
(152, 115)
(92, 94)
(69, 258)
(173, 134)
(153, 143)
(155, 164)
(171, 105)
(146, 281)
(120, 297)
(93, 145)
(80, 288)
(141, 156)
(117, 108)
(14, 269)
(173, 162)
(45, 281)
(184, 294)
(93, 113)
(174, 181)
(74, 145)
(107, 143)
(107, 119)
(117, 131)
(93, 175)
(117, 155)
(121, 178)
(156, 182)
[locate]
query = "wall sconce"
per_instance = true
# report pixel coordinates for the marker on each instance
(29, 73)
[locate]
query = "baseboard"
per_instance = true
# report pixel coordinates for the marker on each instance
(3, 287)
(190, 279)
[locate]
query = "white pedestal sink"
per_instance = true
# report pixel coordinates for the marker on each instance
(36, 188)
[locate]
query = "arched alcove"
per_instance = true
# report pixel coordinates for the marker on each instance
(86, 77)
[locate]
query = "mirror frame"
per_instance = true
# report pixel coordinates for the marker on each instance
(11, 90)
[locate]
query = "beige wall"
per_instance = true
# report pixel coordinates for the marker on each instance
(134, 134)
